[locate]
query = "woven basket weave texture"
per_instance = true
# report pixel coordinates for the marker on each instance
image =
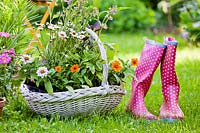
(83, 101)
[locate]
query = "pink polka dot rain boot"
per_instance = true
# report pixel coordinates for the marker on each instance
(150, 59)
(170, 85)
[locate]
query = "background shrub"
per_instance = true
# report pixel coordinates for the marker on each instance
(190, 21)
(137, 16)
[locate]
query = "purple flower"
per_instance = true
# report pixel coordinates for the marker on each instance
(88, 26)
(83, 20)
(44, 61)
(96, 25)
(113, 10)
(5, 59)
(10, 52)
(185, 34)
(68, 1)
(4, 34)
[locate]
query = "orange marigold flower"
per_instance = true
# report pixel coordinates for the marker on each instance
(134, 61)
(116, 66)
(74, 68)
(58, 68)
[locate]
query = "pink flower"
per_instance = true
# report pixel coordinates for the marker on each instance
(10, 52)
(4, 34)
(5, 59)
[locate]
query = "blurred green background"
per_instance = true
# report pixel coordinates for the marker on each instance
(179, 17)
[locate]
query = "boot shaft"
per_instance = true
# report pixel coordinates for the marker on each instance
(150, 58)
(170, 84)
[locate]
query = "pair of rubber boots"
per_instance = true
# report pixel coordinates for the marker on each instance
(152, 55)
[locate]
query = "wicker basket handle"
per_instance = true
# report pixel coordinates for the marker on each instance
(103, 56)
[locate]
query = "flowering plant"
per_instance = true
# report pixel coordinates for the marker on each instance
(70, 58)
(6, 64)
(119, 70)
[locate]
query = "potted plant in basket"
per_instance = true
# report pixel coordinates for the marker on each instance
(71, 74)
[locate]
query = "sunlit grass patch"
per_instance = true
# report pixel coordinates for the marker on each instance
(18, 118)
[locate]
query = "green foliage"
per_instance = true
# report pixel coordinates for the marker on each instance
(190, 20)
(137, 16)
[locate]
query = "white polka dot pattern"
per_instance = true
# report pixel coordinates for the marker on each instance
(150, 59)
(170, 84)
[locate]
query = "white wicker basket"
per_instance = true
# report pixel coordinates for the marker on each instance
(83, 101)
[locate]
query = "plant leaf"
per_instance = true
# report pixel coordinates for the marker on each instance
(123, 8)
(100, 76)
(37, 83)
(34, 76)
(48, 87)
(117, 78)
(91, 67)
(85, 86)
(70, 89)
(88, 81)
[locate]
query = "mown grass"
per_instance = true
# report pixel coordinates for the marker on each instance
(18, 118)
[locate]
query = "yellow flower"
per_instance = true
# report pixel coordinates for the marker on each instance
(116, 66)
(58, 68)
(74, 68)
(134, 61)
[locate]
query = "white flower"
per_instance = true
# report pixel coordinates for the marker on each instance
(81, 37)
(82, 32)
(73, 33)
(53, 37)
(42, 72)
(51, 27)
(26, 59)
(41, 26)
(57, 27)
(69, 24)
(62, 35)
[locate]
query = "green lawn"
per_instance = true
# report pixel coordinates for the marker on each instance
(18, 117)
